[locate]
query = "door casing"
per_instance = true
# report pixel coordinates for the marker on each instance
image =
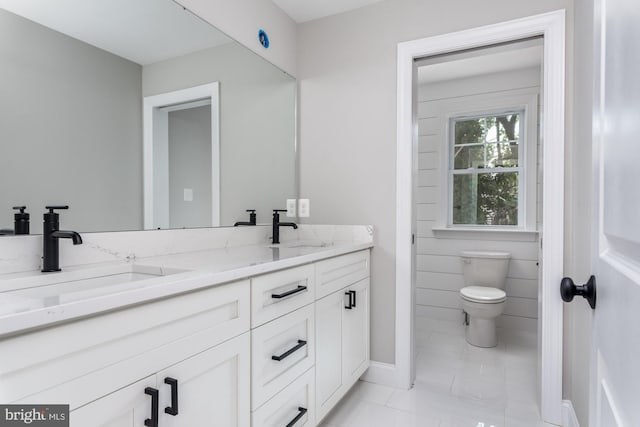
(551, 26)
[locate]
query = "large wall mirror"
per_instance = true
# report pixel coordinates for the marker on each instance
(138, 115)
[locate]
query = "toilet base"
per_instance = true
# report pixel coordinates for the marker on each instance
(481, 332)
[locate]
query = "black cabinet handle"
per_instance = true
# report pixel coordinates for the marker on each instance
(301, 412)
(291, 292)
(289, 352)
(350, 295)
(354, 297)
(173, 409)
(153, 421)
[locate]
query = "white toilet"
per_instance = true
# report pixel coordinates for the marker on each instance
(483, 298)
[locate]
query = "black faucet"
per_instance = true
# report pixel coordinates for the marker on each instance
(50, 236)
(21, 220)
(252, 219)
(277, 224)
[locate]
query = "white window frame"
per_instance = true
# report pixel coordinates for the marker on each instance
(487, 104)
(520, 169)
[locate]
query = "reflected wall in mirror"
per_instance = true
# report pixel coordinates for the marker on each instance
(73, 83)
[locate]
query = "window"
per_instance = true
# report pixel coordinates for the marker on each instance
(486, 170)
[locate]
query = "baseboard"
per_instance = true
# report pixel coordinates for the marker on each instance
(380, 373)
(569, 417)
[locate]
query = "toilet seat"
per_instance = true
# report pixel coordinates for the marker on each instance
(483, 294)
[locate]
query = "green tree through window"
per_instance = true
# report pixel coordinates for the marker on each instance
(485, 169)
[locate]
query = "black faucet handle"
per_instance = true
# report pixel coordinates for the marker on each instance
(51, 208)
(251, 210)
(20, 208)
(279, 210)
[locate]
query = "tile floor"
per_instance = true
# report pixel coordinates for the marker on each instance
(456, 385)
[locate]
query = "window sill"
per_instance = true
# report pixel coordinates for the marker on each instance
(485, 234)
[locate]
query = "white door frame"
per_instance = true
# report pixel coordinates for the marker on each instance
(552, 27)
(151, 105)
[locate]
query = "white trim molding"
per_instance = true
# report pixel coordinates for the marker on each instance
(552, 27)
(380, 373)
(569, 417)
(188, 98)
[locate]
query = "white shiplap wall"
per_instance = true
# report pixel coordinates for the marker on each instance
(439, 270)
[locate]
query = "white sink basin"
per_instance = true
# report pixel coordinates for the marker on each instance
(295, 244)
(48, 289)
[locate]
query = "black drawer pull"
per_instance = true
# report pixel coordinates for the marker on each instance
(289, 352)
(354, 293)
(291, 292)
(350, 295)
(173, 409)
(301, 412)
(153, 421)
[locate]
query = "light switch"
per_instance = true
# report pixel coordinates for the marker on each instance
(291, 208)
(188, 194)
(303, 208)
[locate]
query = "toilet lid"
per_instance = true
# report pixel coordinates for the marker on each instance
(483, 294)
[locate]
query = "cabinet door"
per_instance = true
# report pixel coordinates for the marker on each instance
(127, 407)
(355, 334)
(329, 351)
(212, 387)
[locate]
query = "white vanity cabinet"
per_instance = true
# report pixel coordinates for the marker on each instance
(212, 388)
(342, 341)
(342, 327)
(277, 349)
(208, 389)
(325, 343)
(127, 407)
(110, 367)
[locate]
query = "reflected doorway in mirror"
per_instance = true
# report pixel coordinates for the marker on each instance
(166, 144)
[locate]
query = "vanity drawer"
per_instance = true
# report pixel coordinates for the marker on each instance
(296, 402)
(336, 273)
(276, 294)
(281, 351)
(81, 361)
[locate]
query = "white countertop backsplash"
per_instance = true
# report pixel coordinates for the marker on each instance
(201, 257)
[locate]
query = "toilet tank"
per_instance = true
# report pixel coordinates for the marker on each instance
(485, 268)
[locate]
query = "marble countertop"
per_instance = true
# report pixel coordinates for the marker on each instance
(32, 300)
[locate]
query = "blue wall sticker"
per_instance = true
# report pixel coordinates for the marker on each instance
(264, 39)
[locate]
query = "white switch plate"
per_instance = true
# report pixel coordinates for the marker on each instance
(188, 194)
(291, 207)
(303, 208)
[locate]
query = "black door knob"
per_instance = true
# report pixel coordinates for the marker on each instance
(568, 290)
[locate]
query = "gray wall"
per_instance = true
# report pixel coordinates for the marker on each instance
(190, 167)
(259, 160)
(60, 95)
(439, 275)
(347, 79)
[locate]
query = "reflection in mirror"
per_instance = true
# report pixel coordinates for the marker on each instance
(138, 115)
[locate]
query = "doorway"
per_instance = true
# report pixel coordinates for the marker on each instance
(550, 27)
(182, 158)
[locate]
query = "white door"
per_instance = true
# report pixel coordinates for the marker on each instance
(212, 388)
(328, 351)
(355, 333)
(615, 381)
(127, 407)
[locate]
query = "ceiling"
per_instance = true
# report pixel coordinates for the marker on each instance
(142, 31)
(488, 63)
(308, 10)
